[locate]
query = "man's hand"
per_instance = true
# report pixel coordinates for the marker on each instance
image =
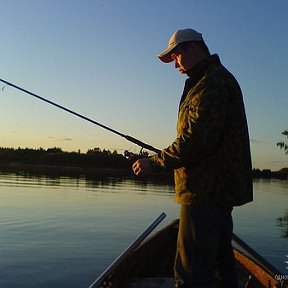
(142, 167)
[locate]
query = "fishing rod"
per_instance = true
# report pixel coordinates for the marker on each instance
(127, 137)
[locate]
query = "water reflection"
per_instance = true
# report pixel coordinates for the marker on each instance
(283, 223)
(80, 224)
(93, 177)
(273, 191)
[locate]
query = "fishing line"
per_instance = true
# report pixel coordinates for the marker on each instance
(127, 137)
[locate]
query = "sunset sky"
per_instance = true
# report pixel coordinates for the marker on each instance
(99, 58)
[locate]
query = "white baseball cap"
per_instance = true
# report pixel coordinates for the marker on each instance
(180, 36)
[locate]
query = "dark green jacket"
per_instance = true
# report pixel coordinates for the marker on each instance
(211, 154)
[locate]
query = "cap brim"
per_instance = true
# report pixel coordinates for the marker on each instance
(165, 56)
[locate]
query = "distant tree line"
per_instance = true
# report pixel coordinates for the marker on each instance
(55, 156)
(268, 174)
(95, 157)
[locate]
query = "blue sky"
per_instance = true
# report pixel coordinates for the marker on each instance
(99, 59)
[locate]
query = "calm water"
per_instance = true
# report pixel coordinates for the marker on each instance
(64, 232)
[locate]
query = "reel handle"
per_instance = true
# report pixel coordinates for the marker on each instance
(132, 157)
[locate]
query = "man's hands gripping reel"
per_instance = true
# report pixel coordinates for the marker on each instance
(141, 164)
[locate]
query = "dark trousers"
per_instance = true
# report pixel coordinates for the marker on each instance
(204, 248)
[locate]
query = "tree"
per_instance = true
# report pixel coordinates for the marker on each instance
(54, 150)
(282, 144)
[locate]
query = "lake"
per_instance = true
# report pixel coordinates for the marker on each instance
(63, 232)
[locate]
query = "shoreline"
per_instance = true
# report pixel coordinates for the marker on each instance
(59, 170)
(88, 172)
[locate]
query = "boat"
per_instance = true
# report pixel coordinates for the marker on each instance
(150, 265)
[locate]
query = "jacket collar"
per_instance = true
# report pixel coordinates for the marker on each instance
(197, 72)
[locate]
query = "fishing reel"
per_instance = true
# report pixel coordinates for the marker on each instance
(132, 157)
(157, 172)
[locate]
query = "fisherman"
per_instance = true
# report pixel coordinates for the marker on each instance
(211, 161)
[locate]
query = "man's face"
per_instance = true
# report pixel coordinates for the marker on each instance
(184, 59)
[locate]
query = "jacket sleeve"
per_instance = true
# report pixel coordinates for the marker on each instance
(200, 126)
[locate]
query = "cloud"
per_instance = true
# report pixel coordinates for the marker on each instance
(59, 138)
(257, 141)
(253, 140)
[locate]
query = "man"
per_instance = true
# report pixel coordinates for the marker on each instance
(212, 163)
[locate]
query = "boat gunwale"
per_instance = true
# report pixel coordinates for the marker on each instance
(263, 275)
